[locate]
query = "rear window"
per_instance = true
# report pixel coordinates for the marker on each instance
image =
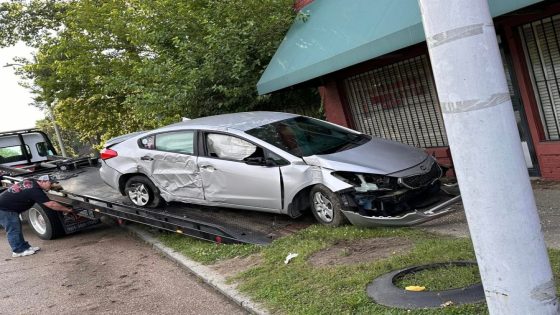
(13, 154)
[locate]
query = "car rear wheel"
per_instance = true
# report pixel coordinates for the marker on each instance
(326, 206)
(142, 192)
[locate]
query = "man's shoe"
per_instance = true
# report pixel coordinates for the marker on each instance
(26, 252)
(35, 248)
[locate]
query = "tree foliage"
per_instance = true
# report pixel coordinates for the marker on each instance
(116, 66)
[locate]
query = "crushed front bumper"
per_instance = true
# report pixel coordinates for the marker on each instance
(434, 211)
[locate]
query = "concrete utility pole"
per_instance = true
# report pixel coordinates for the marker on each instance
(484, 140)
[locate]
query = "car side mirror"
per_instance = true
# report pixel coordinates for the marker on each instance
(254, 160)
(261, 161)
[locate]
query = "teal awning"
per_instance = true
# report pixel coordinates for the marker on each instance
(339, 34)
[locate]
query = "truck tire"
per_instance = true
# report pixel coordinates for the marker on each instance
(45, 222)
(326, 206)
(142, 192)
(24, 217)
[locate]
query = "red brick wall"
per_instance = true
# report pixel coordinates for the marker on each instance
(299, 4)
(443, 156)
(332, 104)
(548, 154)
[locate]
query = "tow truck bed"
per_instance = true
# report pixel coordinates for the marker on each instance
(85, 191)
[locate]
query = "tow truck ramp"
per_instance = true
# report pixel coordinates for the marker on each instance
(89, 210)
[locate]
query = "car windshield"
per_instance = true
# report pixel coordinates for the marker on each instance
(303, 136)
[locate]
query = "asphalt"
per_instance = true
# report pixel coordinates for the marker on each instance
(103, 270)
(209, 276)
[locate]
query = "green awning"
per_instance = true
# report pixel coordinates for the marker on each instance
(339, 34)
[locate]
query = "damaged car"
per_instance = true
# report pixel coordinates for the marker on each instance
(279, 163)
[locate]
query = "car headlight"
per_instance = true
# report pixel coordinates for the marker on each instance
(367, 182)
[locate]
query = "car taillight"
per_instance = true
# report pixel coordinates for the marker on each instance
(106, 154)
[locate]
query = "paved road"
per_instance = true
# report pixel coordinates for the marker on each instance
(101, 271)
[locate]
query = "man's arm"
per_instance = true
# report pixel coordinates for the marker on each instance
(57, 206)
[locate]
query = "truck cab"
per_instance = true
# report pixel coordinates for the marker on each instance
(25, 149)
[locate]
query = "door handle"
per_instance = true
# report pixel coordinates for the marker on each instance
(208, 168)
(147, 158)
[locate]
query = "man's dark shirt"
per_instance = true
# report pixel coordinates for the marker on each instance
(22, 196)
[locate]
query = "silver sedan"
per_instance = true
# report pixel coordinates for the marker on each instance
(276, 162)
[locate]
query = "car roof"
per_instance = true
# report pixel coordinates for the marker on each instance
(241, 121)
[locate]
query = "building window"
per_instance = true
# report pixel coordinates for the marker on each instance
(398, 102)
(541, 42)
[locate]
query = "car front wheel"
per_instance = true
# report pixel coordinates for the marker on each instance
(142, 192)
(326, 206)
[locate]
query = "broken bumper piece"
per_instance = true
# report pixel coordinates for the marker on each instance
(407, 219)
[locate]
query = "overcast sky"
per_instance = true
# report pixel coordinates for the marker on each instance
(15, 111)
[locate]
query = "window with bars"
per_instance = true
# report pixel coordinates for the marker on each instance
(541, 41)
(398, 102)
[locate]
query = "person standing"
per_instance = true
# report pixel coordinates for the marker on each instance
(18, 198)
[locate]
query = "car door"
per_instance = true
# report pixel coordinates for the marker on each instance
(169, 160)
(228, 178)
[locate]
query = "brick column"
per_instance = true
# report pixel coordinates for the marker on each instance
(332, 103)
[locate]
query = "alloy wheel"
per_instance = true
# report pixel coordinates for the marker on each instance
(323, 207)
(37, 221)
(139, 194)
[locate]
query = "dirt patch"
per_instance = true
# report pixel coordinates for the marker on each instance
(368, 250)
(231, 267)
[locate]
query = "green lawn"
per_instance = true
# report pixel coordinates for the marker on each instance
(300, 288)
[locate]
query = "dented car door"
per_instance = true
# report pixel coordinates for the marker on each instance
(232, 174)
(170, 162)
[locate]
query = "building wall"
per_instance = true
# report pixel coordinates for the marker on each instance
(341, 107)
(299, 4)
(547, 151)
(332, 104)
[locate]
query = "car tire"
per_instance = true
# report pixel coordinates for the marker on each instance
(142, 192)
(45, 222)
(326, 206)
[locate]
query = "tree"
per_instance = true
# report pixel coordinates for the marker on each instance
(113, 67)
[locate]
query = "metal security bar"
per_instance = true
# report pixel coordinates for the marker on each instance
(541, 41)
(398, 102)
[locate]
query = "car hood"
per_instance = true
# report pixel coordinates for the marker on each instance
(378, 156)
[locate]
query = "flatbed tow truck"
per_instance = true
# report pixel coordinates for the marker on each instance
(29, 153)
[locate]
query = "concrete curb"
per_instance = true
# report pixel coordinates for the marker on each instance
(208, 275)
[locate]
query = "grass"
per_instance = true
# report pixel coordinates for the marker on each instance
(206, 252)
(300, 288)
(444, 278)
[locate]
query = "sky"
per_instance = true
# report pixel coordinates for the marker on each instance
(15, 109)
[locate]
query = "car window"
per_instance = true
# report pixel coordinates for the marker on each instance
(302, 136)
(147, 142)
(230, 147)
(178, 142)
(278, 160)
